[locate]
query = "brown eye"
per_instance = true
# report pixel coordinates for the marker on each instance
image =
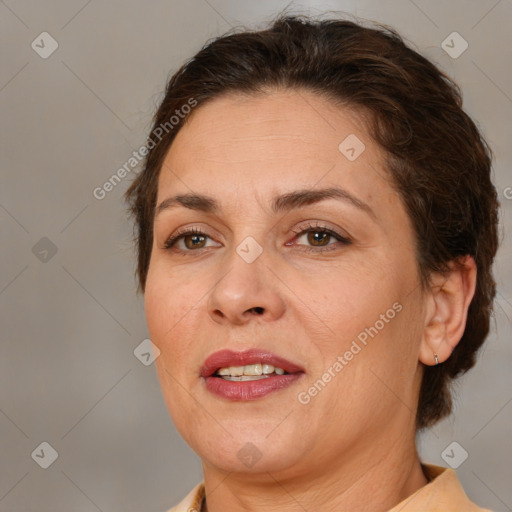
(316, 240)
(187, 241)
(194, 241)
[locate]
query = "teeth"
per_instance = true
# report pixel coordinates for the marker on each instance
(267, 368)
(255, 371)
(246, 377)
(232, 370)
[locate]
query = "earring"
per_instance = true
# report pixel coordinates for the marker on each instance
(435, 359)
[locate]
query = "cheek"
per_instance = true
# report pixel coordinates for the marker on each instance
(369, 311)
(158, 308)
(169, 309)
(355, 297)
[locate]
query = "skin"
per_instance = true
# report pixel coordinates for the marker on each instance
(352, 447)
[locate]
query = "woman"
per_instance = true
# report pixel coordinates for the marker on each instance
(316, 228)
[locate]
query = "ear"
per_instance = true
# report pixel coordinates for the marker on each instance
(448, 302)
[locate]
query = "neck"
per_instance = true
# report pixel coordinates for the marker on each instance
(375, 481)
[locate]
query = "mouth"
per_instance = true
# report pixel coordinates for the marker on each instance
(248, 375)
(256, 371)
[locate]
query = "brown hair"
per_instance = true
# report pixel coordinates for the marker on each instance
(436, 156)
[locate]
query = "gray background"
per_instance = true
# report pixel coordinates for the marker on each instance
(70, 321)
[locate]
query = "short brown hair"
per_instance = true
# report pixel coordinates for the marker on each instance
(436, 156)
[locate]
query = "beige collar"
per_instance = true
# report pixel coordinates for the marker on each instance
(443, 492)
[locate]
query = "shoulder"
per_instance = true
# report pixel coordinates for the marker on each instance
(443, 492)
(192, 501)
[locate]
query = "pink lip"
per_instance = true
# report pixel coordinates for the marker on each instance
(225, 358)
(248, 390)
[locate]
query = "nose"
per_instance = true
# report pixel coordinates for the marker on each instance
(246, 291)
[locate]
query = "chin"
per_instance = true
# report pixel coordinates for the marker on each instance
(250, 458)
(246, 447)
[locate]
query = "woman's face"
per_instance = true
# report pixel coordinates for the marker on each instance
(328, 284)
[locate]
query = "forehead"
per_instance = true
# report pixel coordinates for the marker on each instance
(275, 142)
(278, 121)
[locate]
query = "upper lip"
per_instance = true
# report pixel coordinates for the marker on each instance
(227, 358)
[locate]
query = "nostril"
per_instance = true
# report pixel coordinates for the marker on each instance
(257, 310)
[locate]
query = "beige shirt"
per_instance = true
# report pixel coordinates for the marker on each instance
(442, 494)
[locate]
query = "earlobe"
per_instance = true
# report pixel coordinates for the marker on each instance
(447, 308)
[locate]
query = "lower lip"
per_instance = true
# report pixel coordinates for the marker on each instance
(250, 389)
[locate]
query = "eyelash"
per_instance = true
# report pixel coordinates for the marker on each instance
(172, 240)
(318, 228)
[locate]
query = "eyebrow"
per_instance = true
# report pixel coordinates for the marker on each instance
(281, 203)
